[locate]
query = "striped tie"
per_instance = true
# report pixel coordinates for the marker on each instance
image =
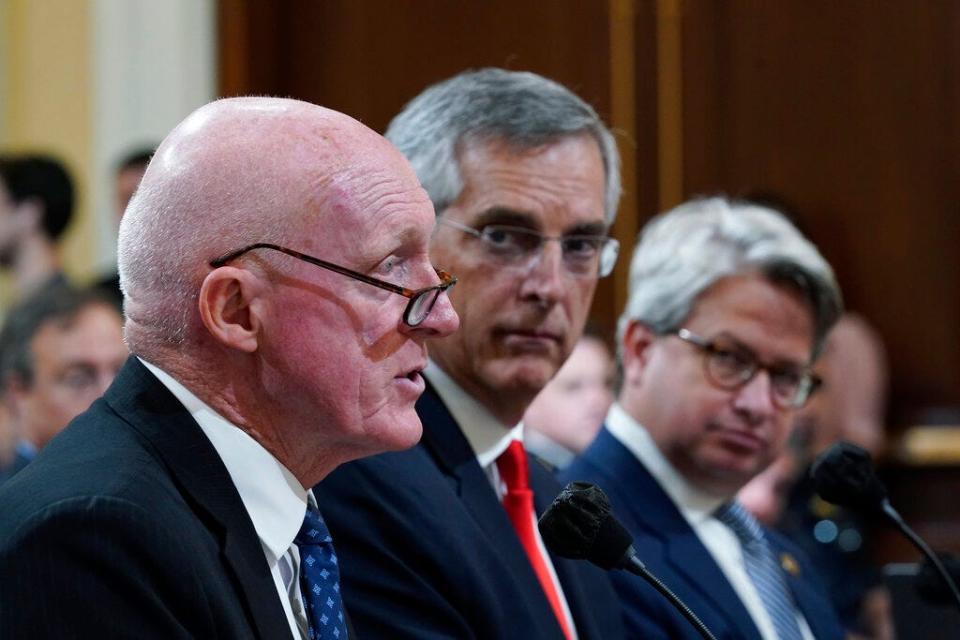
(763, 569)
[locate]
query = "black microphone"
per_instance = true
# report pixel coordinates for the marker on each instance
(579, 525)
(844, 475)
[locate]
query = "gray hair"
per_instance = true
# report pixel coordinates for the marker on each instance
(683, 252)
(521, 108)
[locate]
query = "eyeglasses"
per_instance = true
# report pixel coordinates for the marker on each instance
(421, 300)
(730, 367)
(584, 256)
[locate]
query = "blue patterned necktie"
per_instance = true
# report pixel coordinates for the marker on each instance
(320, 579)
(763, 569)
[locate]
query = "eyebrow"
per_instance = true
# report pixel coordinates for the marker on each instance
(504, 215)
(780, 363)
(507, 216)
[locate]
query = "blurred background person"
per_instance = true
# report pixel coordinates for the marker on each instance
(59, 351)
(129, 173)
(766, 495)
(36, 206)
(8, 437)
(850, 405)
(126, 178)
(566, 416)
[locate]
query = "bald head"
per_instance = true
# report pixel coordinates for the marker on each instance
(289, 342)
(234, 172)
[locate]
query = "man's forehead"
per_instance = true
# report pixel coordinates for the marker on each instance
(755, 313)
(99, 313)
(560, 183)
(58, 334)
(529, 219)
(376, 199)
(285, 134)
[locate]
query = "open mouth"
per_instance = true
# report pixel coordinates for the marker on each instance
(412, 380)
(413, 375)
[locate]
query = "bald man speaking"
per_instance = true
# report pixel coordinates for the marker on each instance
(278, 294)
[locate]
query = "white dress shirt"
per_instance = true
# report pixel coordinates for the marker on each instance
(698, 507)
(489, 438)
(275, 500)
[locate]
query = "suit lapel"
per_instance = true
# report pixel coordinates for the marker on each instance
(811, 602)
(139, 398)
(444, 441)
(642, 504)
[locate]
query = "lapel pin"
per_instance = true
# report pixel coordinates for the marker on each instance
(789, 564)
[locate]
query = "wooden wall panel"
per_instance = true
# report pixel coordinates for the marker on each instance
(848, 112)
(368, 58)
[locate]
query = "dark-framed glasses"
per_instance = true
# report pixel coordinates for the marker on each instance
(729, 366)
(585, 256)
(421, 300)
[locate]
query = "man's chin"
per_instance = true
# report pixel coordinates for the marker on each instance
(403, 432)
(521, 375)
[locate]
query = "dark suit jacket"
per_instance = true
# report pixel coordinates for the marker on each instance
(127, 525)
(16, 465)
(671, 550)
(427, 551)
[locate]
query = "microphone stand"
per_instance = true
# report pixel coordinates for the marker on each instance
(924, 548)
(635, 566)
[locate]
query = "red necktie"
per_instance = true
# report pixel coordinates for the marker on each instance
(518, 502)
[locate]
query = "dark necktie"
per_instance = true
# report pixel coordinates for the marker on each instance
(763, 569)
(320, 579)
(518, 502)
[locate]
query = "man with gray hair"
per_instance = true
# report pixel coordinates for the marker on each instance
(440, 541)
(728, 306)
(278, 295)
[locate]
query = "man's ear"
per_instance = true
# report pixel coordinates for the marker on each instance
(13, 394)
(637, 340)
(230, 307)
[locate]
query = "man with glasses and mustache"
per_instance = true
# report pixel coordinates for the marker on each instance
(278, 296)
(728, 306)
(440, 541)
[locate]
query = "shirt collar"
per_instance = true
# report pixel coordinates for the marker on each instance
(488, 437)
(272, 495)
(695, 505)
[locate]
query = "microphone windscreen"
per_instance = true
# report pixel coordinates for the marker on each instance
(844, 475)
(579, 525)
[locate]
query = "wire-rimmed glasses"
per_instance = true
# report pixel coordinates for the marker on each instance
(584, 255)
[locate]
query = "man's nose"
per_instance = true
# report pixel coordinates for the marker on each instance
(441, 321)
(754, 399)
(546, 273)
